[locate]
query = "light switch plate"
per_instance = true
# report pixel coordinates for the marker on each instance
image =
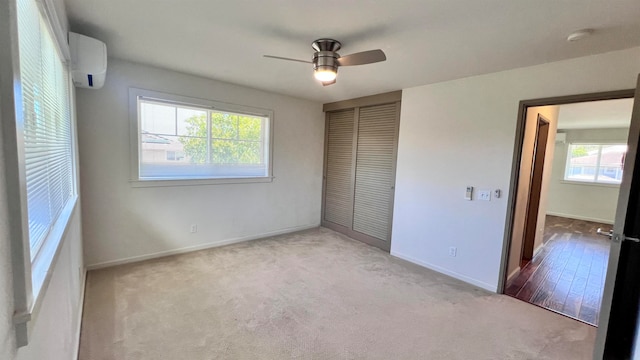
(469, 193)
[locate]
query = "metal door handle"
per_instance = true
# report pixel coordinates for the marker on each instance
(617, 237)
(624, 237)
(603, 233)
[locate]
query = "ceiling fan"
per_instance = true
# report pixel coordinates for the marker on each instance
(326, 60)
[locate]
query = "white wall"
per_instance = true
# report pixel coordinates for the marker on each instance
(125, 223)
(462, 132)
(592, 202)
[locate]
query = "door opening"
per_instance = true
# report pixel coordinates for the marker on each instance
(618, 322)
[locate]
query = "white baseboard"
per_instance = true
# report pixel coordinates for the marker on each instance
(514, 273)
(83, 287)
(453, 274)
(579, 217)
(188, 249)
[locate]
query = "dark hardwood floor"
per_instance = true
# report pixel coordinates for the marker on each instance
(567, 274)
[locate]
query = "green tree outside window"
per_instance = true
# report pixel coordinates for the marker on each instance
(235, 139)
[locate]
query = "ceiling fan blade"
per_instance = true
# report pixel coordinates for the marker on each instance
(327, 83)
(361, 58)
(288, 59)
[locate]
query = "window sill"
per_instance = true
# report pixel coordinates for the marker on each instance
(198, 182)
(41, 271)
(572, 182)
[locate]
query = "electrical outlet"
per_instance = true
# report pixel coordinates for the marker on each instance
(194, 228)
(484, 195)
(453, 251)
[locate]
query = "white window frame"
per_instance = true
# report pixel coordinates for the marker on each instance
(594, 182)
(30, 276)
(135, 94)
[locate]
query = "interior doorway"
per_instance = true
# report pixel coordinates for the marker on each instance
(569, 173)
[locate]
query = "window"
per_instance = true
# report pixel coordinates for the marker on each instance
(45, 156)
(190, 139)
(595, 163)
(47, 128)
(48, 150)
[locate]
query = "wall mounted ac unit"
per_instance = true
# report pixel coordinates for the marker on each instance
(88, 61)
(561, 137)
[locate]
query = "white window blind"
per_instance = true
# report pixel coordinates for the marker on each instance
(47, 124)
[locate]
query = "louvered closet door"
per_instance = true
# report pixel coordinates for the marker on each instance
(374, 178)
(338, 207)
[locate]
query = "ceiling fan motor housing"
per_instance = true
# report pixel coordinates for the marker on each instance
(325, 57)
(325, 60)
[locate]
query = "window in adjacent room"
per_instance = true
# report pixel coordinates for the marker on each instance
(595, 163)
(197, 139)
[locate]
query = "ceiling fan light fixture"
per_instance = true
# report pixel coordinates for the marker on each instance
(325, 73)
(326, 60)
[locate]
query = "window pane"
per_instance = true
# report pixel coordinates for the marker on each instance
(158, 119)
(583, 160)
(611, 163)
(155, 148)
(235, 152)
(167, 156)
(192, 122)
(224, 126)
(250, 128)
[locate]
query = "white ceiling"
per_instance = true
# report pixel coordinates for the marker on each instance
(426, 41)
(596, 114)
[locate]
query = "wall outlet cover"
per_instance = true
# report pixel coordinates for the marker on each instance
(484, 195)
(453, 251)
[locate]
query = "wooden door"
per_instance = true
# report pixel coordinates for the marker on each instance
(375, 173)
(535, 189)
(338, 178)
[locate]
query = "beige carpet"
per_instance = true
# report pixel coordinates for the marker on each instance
(310, 295)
